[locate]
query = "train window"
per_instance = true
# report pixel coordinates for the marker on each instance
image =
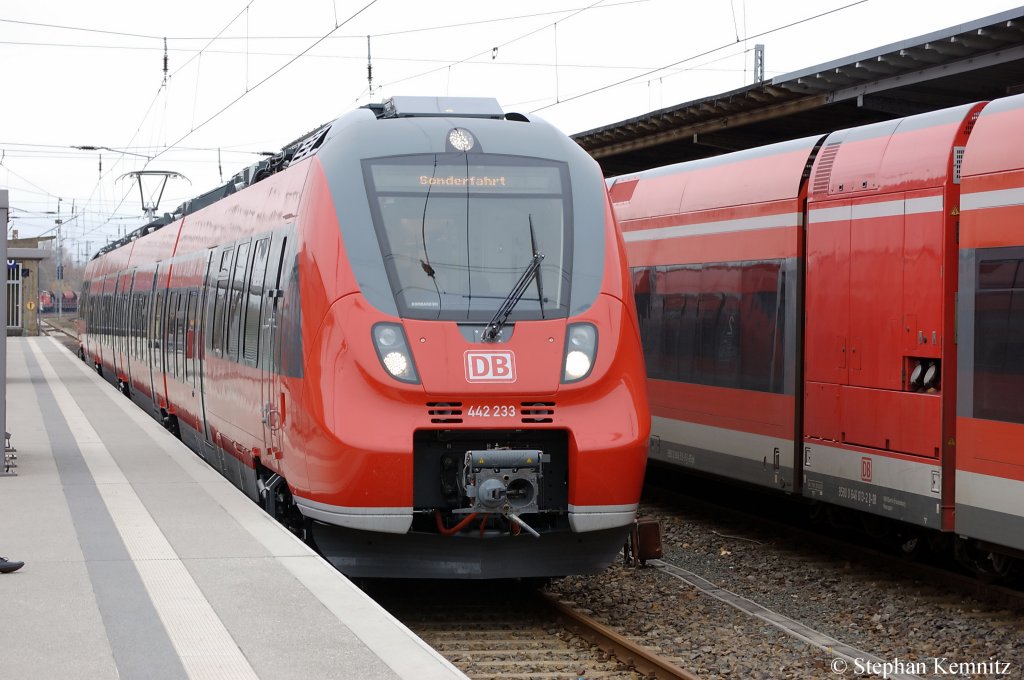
(136, 324)
(716, 324)
(457, 231)
(217, 322)
(144, 327)
(132, 306)
(157, 331)
(220, 302)
(999, 336)
(225, 262)
(235, 301)
(141, 324)
(170, 329)
(190, 337)
(179, 335)
(251, 337)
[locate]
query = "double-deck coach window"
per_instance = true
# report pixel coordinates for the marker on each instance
(718, 324)
(999, 336)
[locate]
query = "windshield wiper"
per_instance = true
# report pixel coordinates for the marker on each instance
(540, 286)
(493, 329)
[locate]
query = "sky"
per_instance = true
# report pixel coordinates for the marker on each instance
(249, 76)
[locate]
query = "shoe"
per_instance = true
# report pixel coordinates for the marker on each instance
(7, 566)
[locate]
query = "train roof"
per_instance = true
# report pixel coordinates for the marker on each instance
(994, 141)
(308, 144)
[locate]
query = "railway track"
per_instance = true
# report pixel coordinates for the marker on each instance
(774, 516)
(515, 633)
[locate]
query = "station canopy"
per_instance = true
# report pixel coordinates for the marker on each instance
(976, 61)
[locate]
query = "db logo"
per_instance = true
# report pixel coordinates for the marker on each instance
(865, 469)
(490, 367)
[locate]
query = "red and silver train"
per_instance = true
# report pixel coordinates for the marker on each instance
(410, 336)
(842, 317)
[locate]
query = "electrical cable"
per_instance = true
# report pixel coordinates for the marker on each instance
(702, 54)
(281, 68)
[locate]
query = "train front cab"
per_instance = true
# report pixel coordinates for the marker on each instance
(714, 250)
(880, 338)
(990, 411)
(392, 489)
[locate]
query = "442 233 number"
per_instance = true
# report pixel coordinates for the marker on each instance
(492, 411)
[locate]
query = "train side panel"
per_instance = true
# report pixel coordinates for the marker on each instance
(881, 281)
(714, 247)
(223, 293)
(990, 413)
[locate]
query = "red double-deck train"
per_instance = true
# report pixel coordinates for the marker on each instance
(842, 317)
(410, 336)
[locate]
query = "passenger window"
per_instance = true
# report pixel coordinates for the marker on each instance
(220, 304)
(190, 337)
(718, 324)
(251, 337)
(172, 333)
(998, 322)
(157, 322)
(235, 303)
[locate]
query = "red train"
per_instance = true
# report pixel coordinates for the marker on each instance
(68, 301)
(47, 301)
(842, 317)
(409, 336)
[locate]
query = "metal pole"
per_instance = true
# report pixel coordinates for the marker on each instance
(60, 270)
(8, 449)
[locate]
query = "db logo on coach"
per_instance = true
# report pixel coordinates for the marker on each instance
(490, 366)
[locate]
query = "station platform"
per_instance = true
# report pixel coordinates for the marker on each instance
(144, 563)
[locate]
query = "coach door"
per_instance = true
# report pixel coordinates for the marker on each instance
(197, 341)
(270, 349)
(131, 330)
(155, 352)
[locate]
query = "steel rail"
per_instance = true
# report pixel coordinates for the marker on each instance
(612, 642)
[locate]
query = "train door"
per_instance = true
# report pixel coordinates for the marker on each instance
(198, 343)
(270, 348)
(131, 329)
(154, 342)
(119, 355)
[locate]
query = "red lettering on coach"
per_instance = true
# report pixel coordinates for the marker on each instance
(490, 366)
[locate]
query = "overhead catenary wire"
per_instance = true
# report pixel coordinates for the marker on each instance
(210, 44)
(264, 80)
(702, 54)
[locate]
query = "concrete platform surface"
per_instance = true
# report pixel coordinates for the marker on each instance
(142, 563)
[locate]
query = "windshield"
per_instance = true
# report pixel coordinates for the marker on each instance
(457, 231)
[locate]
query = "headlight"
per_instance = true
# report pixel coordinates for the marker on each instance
(393, 352)
(580, 349)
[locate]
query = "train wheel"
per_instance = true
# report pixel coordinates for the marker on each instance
(976, 561)
(912, 545)
(1005, 566)
(170, 421)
